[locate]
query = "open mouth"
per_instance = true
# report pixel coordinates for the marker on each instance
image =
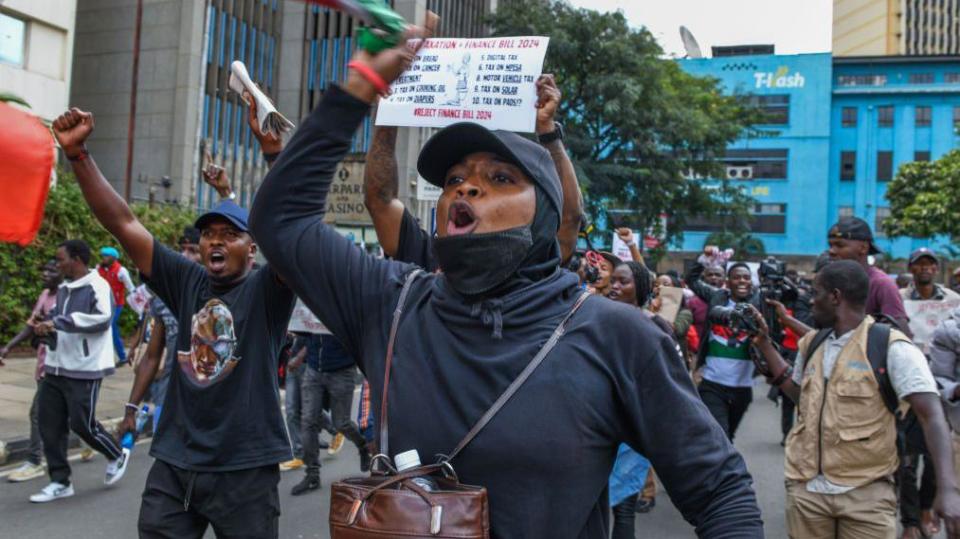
(461, 219)
(217, 261)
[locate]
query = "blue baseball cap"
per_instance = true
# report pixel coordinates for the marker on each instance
(109, 251)
(228, 210)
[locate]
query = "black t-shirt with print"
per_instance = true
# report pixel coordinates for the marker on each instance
(222, 410)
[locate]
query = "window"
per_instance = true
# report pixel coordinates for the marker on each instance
(922, 117)
(885, 116)
(769, 218)
(770, 164)
(951, 78)
(12, 32)
(884, 166)
(845, 211)
(848, 117)
(774, 108)
(882, 214)
(921, 156)
(848, 166)
(861, 80)
(956, 117)
(921, 78)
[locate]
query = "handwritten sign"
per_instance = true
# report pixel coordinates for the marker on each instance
(303, 320)
(925, 316)
(486, 81)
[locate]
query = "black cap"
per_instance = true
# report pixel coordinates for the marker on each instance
(230, 211)
(822, 262)
(853, 228)
(450, 145)
(613, 259)
(191, 234)
(923, 252)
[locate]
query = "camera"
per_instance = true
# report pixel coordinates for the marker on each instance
(739, 319)
(774, 283)
(579, 261)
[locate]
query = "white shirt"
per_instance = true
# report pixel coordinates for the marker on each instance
(909, 374)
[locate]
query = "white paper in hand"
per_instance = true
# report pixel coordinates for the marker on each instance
(271, 122)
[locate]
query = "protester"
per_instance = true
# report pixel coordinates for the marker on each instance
(842, 454)
(295, 354)
(79, 357)
(33, 467)
(851, 239)
(945, 365)
(716, 277)
(724, 355)
(120, 283)
(402, 238)
(928, 305)
(222, 433)
(465, 333)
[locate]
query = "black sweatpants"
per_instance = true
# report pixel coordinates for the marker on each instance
(180, 504)
(67, 404)
(726, 404)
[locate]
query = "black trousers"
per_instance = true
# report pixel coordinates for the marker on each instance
(726, 404)
(180, 504)
(67, 404)
(624, 516)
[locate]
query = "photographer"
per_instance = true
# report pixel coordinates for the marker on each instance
(724, 355)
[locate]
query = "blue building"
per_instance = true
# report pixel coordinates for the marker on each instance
(836, 131)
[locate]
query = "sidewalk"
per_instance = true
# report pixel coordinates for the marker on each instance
(16, 394)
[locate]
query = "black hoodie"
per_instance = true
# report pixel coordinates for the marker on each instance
(546, 458)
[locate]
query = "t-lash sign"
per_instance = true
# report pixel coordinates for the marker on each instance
(491, 82)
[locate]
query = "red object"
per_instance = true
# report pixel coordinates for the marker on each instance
(26, 161)
(112, 276)
(790, 339)
(372, 76)
(693, 338)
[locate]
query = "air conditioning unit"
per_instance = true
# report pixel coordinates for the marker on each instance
(739, 173)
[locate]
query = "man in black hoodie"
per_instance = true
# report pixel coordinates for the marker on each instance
(467, 333)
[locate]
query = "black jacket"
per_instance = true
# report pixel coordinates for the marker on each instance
(547, 456)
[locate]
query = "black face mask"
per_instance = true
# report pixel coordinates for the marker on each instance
(475, 264)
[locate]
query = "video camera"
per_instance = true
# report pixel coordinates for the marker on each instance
(774, 283)
(582, 260)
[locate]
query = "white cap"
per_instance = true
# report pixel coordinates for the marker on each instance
(407, 460)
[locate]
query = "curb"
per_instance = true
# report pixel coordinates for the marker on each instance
(17, 450)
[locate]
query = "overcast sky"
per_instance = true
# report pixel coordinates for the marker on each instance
(794, 26)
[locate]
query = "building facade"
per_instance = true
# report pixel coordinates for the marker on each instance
(36, 53)
(837, 131)
(896, 27)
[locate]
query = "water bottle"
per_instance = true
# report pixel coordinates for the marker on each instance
(143, 414)
(409, 460)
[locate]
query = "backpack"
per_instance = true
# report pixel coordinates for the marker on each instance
(878, 340)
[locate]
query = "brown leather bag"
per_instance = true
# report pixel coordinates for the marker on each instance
(392, 504)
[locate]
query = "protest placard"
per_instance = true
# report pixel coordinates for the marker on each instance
(304, 321)
(925, 316)
(491, 82)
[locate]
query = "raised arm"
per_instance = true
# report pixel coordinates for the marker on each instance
(380, 188)
(626, 236)
(548, 100)
(71, 130)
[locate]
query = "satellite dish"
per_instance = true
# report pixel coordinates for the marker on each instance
(689, 43)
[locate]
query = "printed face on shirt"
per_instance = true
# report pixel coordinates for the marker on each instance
(225, 251)
(212, 344)
(924, 270)
(622, 286)
(482, 193)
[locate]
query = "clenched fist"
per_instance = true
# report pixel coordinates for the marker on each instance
(72, 129)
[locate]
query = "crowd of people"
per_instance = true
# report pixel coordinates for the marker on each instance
(652, 375)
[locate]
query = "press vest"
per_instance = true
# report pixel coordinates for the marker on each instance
(844, 430)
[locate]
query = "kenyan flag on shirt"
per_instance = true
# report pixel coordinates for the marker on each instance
(722, 346)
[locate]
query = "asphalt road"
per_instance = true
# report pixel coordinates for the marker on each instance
(97, 511)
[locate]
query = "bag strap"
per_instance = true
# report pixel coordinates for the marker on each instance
(384, 448)
(816, 342)
(532, 366)
(878, 341)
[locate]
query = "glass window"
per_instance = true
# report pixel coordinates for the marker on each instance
(884, 166)
(848, 166)
(921, 78)
(849, 117)
(882, 214)
(951, 78)
(12, 33)
(921, 156)
(769, 218)
(956, 117)
(845, 211)
(861, 80)
(885, 116)
(775, 108)
(922, 117)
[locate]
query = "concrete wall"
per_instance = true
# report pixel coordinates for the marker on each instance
(44, 78)
(168, 89)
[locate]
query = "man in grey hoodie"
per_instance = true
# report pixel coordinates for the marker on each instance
(78, 359)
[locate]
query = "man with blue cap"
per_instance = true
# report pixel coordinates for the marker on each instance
(221, 436)
(120, 283)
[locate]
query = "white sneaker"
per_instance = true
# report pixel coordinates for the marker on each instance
(26, 472)
(53, 491)
(116, 468)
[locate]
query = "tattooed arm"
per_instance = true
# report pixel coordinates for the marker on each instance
(380, 188)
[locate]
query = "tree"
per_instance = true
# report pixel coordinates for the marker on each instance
(638, 127)
(924, 197)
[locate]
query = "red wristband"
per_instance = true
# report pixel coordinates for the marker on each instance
(371, 76)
